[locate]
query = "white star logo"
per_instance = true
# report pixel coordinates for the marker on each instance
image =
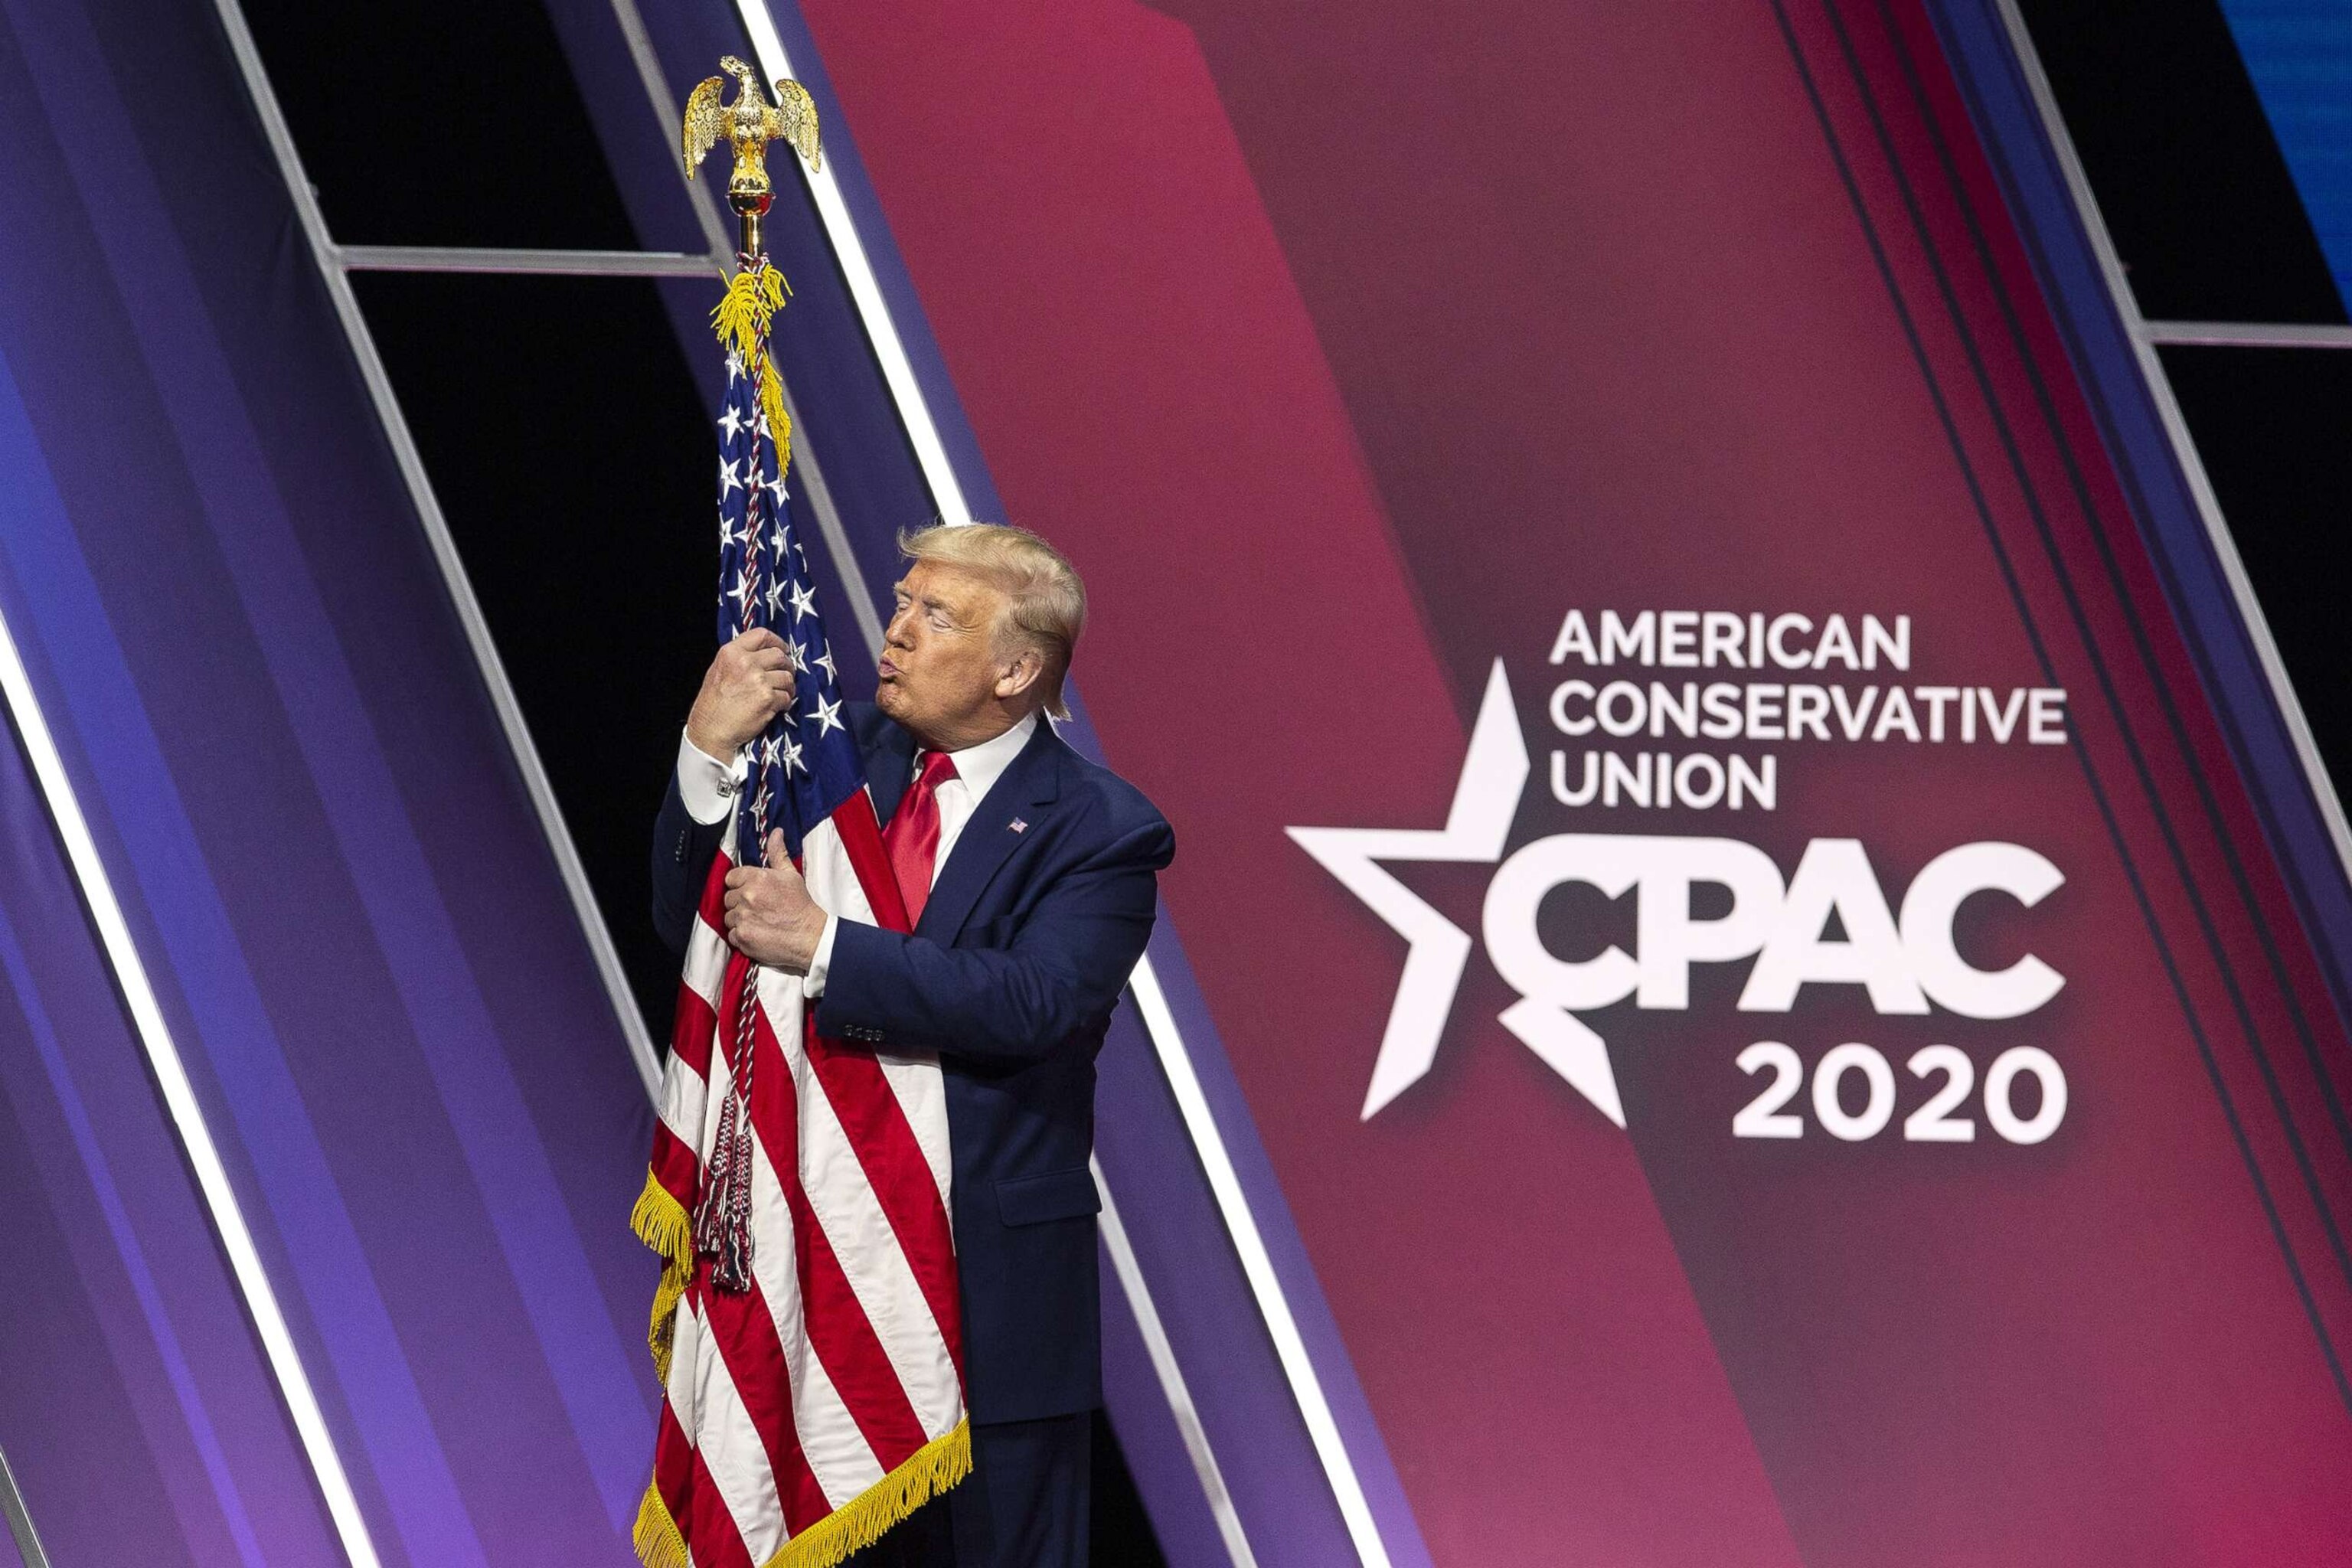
(768, 751)
(734, 365)
(726, 479)
(776, 597)
(776, 484)
(792, 757)
(728, 534)
(741, 592)
(1493, 774)
(804, 601)
(799, 656)
(828, 714)
(824, 662)
(730, 422)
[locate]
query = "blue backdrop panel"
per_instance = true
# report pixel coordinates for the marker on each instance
(2299, 54)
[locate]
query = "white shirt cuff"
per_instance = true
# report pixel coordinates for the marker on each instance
(812, 982)
(705, 784)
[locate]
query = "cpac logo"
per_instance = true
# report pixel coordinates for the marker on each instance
(1903, 963)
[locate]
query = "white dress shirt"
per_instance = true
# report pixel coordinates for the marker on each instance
(708, 788)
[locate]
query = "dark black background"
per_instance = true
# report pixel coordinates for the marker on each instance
(2206, 218)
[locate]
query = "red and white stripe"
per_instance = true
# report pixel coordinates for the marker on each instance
(806, 1414)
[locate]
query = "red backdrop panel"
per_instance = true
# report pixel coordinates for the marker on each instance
(1348, 348)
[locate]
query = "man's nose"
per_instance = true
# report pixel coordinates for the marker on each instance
(895, 633)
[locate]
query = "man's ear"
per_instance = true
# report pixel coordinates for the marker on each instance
(1020, 675)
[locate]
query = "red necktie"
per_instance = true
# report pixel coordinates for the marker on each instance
(913, 835)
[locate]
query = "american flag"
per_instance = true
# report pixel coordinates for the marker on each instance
(806, 1327)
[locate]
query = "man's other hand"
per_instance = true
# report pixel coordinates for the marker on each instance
(748, 684)
(771, 919)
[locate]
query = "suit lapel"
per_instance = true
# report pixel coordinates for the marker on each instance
(889, 769)
(1022, 792)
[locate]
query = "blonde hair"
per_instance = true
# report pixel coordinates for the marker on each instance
(1045, 602)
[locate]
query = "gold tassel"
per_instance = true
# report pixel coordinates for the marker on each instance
(662, 1223)
(752, 299)
(657, 1537)
(930, 1470)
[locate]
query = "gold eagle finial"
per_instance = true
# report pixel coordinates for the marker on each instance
(750, 122)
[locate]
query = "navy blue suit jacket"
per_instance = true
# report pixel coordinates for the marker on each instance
(1010, 975)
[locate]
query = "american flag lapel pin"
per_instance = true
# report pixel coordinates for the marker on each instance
(1019, 825)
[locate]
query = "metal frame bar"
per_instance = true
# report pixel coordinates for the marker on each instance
(558, 263)
(2145, 336)
(325, 252)
(20, 1519)
(2247, 334)
(715, 232)
(163, 1053)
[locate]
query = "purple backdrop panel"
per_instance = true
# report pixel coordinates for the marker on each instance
(130, 1372)
(290, 765)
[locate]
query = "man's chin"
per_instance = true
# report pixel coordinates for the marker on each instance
(889, 698)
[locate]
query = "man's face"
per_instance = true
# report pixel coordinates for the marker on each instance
(939, 667)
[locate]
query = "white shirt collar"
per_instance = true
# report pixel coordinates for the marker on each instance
(981, 766)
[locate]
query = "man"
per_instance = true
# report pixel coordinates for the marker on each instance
(1031, 875)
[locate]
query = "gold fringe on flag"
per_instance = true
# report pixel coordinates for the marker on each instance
(930, 1470)
(859, 1522)
(658, 1543)
(662, 1223)
(753, 297)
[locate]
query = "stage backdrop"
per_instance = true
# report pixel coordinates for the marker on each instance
(1752, 955)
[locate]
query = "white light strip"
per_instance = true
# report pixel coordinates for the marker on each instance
(841, 230)
(922, 432)
(20, 1519)
(1129, 1269)
(180, 1100)
(2176, 429)
(1258, 1265)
